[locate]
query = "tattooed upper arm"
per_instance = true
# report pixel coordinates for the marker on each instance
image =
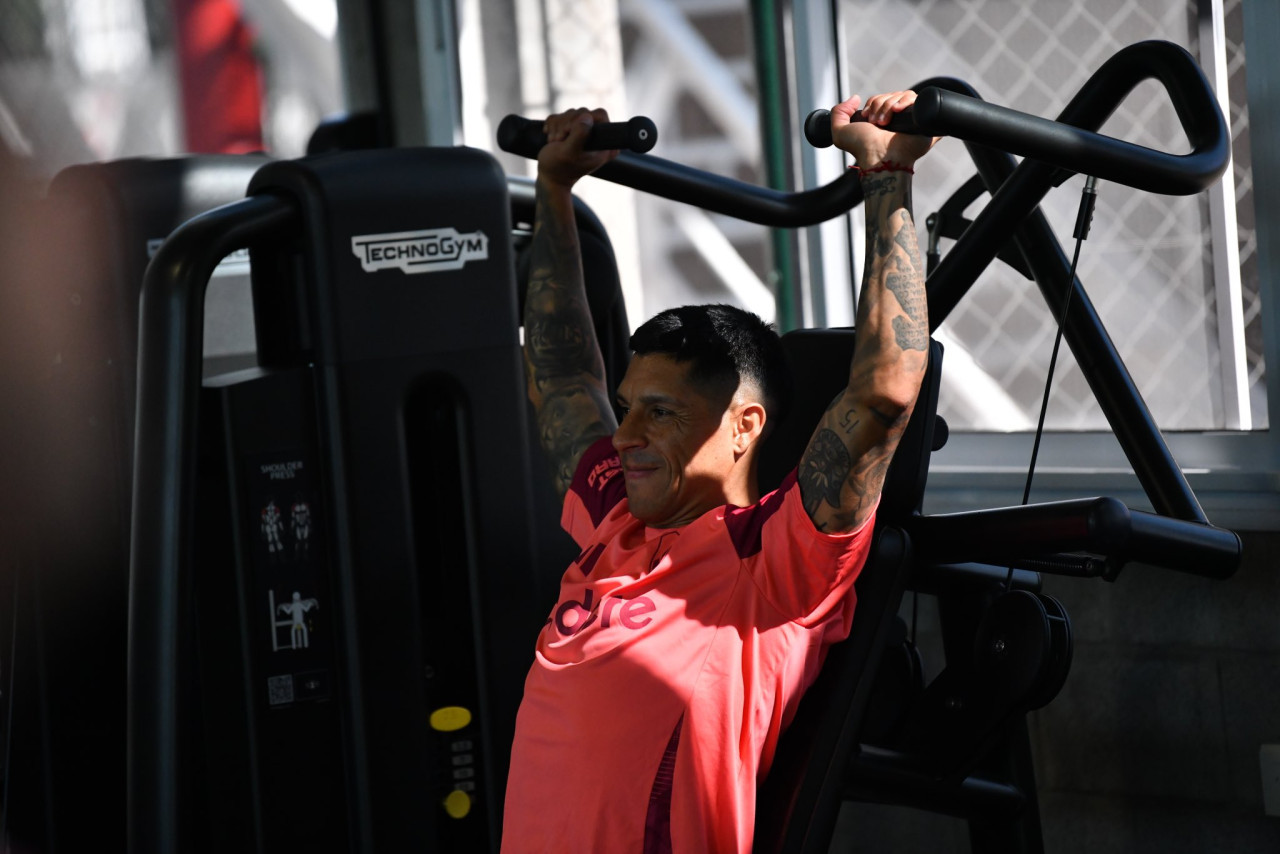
(842, 470)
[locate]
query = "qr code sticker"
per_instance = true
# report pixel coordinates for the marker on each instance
(280, 689)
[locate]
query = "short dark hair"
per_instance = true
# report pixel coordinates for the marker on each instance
(726, 345)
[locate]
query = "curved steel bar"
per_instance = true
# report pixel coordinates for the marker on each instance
(169, 367)
(1072, 142)
(734, 198)
(716, 193)
(1016, 192)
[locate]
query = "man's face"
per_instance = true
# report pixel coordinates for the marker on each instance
(675, 441)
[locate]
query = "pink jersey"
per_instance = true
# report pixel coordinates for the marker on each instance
(667, 669)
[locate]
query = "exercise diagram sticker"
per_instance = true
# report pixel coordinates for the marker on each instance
(296, 621)
(284, 518)
(434, 250)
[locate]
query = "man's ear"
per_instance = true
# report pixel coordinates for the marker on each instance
(748, 426)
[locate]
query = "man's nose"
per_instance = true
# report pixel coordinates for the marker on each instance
(628, 435)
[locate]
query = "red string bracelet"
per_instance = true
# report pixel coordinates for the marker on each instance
(885, 166)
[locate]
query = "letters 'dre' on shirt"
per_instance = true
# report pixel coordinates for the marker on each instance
(668, 667)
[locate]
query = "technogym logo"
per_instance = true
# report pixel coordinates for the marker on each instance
(432, 251)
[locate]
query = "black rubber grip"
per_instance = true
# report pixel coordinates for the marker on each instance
(817, 125)
(525, 137)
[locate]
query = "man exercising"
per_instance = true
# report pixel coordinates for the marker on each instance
(698, 611)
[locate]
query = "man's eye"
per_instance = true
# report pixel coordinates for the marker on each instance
(659, 412)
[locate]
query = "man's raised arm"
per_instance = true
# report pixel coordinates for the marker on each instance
(843, 467)
(563, 365)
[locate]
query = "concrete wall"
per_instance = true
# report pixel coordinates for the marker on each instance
(1153, 744)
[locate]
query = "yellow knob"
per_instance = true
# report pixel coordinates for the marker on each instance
(457, 804)
(450, 718)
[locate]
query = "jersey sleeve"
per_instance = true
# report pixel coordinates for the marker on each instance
(596, 489)
(802, 571)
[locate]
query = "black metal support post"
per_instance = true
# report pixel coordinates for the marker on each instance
(169, 367)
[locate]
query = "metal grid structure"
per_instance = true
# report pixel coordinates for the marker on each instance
(1147, 265)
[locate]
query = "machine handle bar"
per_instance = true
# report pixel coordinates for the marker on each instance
(711, 192)
(164, 477)
(1071, 142)
(526, 137)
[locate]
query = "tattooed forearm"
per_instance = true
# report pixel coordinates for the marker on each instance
(559, 340)
(910, 335)
(563, 366)
(910, 332)
(843, 469)
(906, 240)
(893, 267)
(909, 294)
(559, 334)
(881, 184)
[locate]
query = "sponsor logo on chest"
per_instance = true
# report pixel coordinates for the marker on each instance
(573, 616)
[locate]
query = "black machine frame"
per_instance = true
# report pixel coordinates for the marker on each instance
(1094, 537)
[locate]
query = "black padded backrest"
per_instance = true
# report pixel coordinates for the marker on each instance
(797, 805)
(819, 362)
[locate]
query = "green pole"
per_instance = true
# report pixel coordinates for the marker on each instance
(770, 77)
